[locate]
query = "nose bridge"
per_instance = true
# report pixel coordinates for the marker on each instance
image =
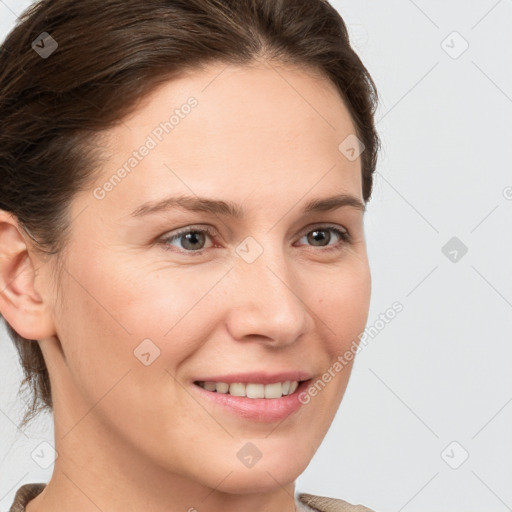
(266, 299)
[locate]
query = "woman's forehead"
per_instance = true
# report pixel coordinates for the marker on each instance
(241, 99)
(250, 128)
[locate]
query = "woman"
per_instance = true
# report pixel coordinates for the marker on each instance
(182, 252)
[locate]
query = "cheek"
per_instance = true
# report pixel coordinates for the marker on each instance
(108, 325)
(174, 306)
(343, 304)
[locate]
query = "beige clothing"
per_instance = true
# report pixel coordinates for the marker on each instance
(305, 502)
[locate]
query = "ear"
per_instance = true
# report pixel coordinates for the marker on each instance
(20, 303)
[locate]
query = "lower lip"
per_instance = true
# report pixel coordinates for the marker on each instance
(256, 409)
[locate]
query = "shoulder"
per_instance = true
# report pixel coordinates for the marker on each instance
(28, 492)
(323, 504)
(24, 494)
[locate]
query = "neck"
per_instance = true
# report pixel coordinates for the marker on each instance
(95, 471)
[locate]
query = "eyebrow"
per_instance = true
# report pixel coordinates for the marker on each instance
(230, 209)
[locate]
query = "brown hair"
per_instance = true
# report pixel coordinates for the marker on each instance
(110, 54)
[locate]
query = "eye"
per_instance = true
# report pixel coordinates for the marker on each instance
(189, 240)
(322, 235)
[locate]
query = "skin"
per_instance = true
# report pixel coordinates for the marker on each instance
(131, 437)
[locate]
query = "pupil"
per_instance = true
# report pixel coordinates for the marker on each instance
(192, 238)
(315, 238)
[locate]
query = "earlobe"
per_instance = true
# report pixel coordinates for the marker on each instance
(21, 304)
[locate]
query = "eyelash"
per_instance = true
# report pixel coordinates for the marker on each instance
(344, 236)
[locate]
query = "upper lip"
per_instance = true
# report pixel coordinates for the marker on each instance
(257, 377)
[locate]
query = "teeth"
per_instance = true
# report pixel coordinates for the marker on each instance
(255, 391)
(237, 389)
(220, 387)
(252, 390)
(210, 386)
(274, 390)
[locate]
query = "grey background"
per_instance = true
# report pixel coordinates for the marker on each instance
(439, 372)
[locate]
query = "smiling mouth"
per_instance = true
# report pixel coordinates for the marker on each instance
(251, 390)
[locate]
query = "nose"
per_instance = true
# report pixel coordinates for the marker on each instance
(267, 302)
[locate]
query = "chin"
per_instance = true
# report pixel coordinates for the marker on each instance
(262, 480)
(275, 469)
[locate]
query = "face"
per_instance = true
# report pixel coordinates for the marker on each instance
(240, 281)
